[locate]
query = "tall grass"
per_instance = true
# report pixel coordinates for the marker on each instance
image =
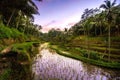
(6, 32)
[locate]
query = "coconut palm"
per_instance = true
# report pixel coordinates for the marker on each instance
(117, 18)
(11, 9)
(108, 6)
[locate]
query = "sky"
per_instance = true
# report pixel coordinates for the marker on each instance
(62, 13)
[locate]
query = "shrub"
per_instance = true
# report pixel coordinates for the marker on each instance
(6, 32)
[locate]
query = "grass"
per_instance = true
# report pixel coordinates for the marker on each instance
(26, 50)
(6, 32)
(100, 49)
(10, 37)
(21, 66)
(99, 45)
(113, 65)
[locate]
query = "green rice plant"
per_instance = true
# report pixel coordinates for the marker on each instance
(94, 55)
(96, 58)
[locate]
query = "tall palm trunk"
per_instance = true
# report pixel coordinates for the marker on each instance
(108, 6)
(118, 31)
(100, 29)
(19, 18)
(109, 43)
(17, 24)
(95, 31)
(86, 39)
(0, 18)
(11, 17)
(88, 45)
(84, 31)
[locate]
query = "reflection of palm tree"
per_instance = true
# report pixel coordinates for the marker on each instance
(107, 6)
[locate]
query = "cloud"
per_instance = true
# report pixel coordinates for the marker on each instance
(64, 23)
(71, 23)
(45, 29)
(56, 25)
(50, 23)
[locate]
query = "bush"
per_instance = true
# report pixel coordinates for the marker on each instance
(6, 32)
(94, 55)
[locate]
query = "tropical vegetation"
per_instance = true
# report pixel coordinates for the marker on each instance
(19, 39)
(95, 39)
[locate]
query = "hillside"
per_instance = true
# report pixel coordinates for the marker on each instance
(18, 49)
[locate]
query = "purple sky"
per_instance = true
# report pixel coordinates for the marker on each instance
(62, 13)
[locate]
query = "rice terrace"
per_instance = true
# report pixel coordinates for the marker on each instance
(60, 40)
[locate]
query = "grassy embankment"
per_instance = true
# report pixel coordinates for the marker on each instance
(18, 53)
(92, 50)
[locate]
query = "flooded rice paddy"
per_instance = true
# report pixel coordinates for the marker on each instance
(52, 66)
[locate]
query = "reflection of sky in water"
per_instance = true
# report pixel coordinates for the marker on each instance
(54, 66)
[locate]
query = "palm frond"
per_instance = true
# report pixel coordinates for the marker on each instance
(108, 3)
(114, 2)
(33, 4)
(103, 6)
(39, 0)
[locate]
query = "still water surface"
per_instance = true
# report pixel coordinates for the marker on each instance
(49, 65)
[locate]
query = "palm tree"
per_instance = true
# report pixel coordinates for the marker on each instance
(100, 19)
(28, 7)
(117, 18)
(108, 6)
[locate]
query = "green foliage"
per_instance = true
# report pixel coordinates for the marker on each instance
(113, 65)
(16, 9)
(94, 55)
(5, 75)
(26, 50)
(16, 72)
(115, 39)
(82, 52)
(20, 65)
(6, 32)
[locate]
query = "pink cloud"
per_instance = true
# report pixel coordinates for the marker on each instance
(50, 23)
(71, 24)
(65, 23)
(56, 25)
(46, 29)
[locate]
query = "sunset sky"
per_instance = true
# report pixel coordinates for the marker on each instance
(62, 13)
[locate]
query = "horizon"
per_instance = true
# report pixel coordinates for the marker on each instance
(62, 13)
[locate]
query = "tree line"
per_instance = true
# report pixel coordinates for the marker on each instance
(96, 22)
(19, 14)
(99, 22)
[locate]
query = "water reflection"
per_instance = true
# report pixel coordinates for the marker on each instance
(56, 67)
